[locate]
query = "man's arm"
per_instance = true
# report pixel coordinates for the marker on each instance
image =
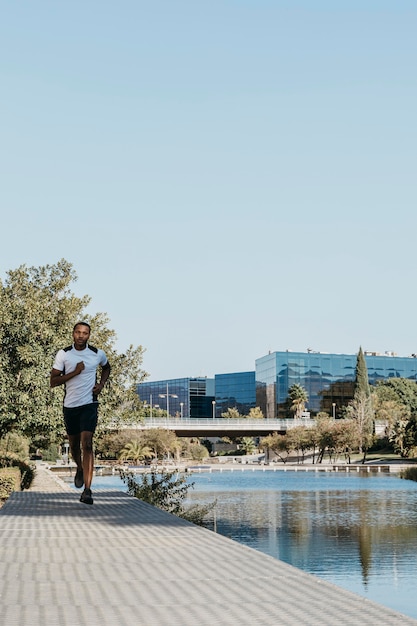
(58, 378)
(105, 373)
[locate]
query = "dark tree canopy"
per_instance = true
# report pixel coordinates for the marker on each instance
(399, 390)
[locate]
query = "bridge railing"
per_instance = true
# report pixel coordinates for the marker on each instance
(219, 424)
(224, 423)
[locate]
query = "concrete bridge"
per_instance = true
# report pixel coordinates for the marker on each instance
(221, 427)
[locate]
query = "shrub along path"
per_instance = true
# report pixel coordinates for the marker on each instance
(122, 562)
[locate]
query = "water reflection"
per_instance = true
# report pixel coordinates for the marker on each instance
(359, 532)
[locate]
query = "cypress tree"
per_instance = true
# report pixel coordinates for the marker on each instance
(362, 388)
(361, 406)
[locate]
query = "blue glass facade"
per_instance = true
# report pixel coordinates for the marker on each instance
(235, 390)
(327, 378)
(187, 397)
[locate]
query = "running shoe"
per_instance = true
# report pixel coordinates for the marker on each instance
(79, 478)
(86, 497)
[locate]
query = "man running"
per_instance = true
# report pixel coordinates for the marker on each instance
(76, 368)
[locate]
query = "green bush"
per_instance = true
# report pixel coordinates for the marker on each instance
(27, 471)
(15, 443)
(161, 489)
(9, 481)
(198, 452)
(50, 454)
(231, 452)
(165, 490)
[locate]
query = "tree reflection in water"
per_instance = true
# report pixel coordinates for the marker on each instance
(356, 530)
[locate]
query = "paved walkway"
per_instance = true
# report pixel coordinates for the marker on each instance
(121, 562)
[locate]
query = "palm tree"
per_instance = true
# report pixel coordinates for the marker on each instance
(232, 413)
(135, 450)
(255, 413)
(248, 445)
(298, 397)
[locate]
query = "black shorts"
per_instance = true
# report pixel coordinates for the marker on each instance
(81, 418)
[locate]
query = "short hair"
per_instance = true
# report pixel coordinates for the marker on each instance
(82, 324)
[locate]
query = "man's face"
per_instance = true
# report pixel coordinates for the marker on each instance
(81, 335)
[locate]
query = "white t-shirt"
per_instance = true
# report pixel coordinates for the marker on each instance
(79, 390)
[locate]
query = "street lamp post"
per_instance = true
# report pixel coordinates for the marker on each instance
(334, 409)
(213, 406)
(167, 395)
(182, 409)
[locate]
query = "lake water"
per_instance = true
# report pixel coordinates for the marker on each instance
(358, 531)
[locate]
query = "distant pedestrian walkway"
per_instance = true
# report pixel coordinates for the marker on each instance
(122, 562)
(47, 481)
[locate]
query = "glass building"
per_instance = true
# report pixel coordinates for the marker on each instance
(181, 397)
(327, 378)
(236, 390)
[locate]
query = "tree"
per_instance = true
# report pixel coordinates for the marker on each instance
(15, 443)
(198, 452)
(110, 444)
(279, 444)
(298, 398)
(255, 413)
(395, 401)
(194, 448)
(324, 435)
(232, 413)
(298, 440)
(312, 437)
(161, 441)
(400, 437)
(167, 491)
(410, 437)
(136, 451)
(248, 445)
(37, 313)
(401, 390)
(361, 407)
(361, 376)
(392, 412)
(345, 438)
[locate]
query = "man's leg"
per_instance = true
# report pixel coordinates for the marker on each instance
(88, 457)
(74, 443)
(88, 426)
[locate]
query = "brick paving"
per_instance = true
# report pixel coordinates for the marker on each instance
(121, 562)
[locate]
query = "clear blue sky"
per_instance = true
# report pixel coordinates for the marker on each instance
(227, 177)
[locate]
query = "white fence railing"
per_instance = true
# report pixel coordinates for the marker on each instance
(230, 425)
(267, 425)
